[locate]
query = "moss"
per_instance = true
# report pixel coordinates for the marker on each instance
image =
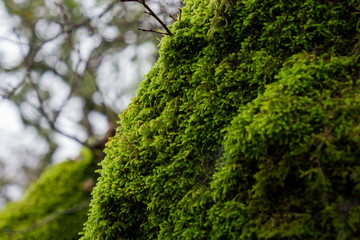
(246, 128)
(54, 207)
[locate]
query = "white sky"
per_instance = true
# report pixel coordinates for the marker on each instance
(10, 120)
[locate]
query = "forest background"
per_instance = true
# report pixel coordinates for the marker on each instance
(67, 69)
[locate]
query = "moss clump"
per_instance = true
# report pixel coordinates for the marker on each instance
(247, 127)
(54, 207)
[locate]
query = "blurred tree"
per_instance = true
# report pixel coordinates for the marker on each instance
(71, 66)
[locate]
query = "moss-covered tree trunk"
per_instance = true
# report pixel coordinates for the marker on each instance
(247, 127)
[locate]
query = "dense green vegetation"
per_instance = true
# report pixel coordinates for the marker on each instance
(55, 206)
(247, 127)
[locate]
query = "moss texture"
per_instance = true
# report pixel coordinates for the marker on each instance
(247, 127)
(54, 207)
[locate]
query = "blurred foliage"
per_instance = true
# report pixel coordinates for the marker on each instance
(78, 64)
(55, 206)
(247, 127)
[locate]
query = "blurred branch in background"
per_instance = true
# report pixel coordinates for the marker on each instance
(68, 67)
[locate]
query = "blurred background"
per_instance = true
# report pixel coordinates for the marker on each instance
(67, 69)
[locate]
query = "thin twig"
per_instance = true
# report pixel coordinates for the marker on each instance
(156, 17)
(147, 13)
(150, 30)
(173, 18)
(151, 12)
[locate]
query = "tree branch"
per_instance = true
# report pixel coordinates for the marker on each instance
(151, 12)
(29, 60)
(150, 30)
(67, 28)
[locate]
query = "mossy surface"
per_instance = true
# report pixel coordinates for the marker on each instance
(54, 207)
(247, 127)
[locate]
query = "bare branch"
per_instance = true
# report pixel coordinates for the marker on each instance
(147, 13)
(149, 30)
(29, 62)
(37, 47)
(180, 13)
(173, 18)
(151, 12)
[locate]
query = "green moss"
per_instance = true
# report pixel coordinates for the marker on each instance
(54, 207)
(247, 127)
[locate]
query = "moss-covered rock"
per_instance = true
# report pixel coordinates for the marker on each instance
(55, 206)
(247, 127)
